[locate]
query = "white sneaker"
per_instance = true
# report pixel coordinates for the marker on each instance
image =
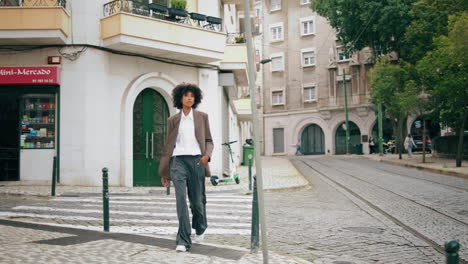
(181, 248)
(199, 238)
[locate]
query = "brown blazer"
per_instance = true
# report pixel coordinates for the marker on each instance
(202, 134)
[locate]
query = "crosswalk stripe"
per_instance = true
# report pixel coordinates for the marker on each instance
(116, 220)
(53, 209)
(151, 229)
(173, 208)
(209, 203)
(209, 199)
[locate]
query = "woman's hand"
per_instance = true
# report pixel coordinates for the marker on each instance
(164, 182)
(204, 160)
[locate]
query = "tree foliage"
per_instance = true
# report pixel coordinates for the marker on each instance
(444, 73)
(394, 87)
(429, 20)
(380, 24)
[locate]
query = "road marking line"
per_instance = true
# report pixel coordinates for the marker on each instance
(149, 229)
(209, 199)
(247, 205)
(173, 208)
(53, 209)
(114, 220)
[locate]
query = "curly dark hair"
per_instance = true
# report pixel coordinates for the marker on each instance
(182, 89)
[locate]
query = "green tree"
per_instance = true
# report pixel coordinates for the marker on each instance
(444, 73)
(392, 85)
(378, 24)
(429, 20)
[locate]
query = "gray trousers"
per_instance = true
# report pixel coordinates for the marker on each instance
(189, 178)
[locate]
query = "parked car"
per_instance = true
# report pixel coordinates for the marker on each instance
(419, 144)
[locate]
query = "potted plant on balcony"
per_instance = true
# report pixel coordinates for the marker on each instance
(178, 8)
(239, 39)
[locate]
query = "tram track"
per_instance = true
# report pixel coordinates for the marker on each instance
(399, 195)
(417, 178)
(395, 220)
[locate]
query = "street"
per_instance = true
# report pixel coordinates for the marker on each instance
(356, 211)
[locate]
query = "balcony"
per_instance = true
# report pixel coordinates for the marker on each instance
(235, 58)
(154, 30)
(239, 4)
(38, 22)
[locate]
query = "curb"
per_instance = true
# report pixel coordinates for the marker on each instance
(419, 167)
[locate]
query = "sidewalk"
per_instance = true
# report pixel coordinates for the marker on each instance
(36, 243)
(432, 164)
(25, 242)
(278, 174)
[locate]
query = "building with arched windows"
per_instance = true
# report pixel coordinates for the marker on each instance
(303, 85)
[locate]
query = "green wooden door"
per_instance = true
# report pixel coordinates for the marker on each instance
(354, 138)
(313, 141)
(150, 113)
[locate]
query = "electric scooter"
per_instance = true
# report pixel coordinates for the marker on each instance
(233, 175)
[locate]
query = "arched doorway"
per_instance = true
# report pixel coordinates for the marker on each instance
(432, 128)
(150, 113)
(387, 129)
(354, 142)
(313, 140)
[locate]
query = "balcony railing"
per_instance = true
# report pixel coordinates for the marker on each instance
(33, 3)
(163, 12)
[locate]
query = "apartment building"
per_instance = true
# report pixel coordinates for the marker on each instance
(303, 85)
(92, 87)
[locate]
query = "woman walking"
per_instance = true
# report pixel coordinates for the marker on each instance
(184, 160)
(409, 144)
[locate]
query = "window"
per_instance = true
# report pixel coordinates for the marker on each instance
(342, 56)
(307, 26)
(277, 98)
(276, 32)
(308, 57)
(310, 94)
(278, 140)
(275, 5)
(305, 2)
(277, 62)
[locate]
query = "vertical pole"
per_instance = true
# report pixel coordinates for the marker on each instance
(250, 172)
(254, 234)
(105, 198)
(380, 117)
(451, 252)
(346, 111)
(54, 175)
(256, 133)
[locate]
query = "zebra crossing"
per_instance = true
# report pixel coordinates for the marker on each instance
(145, 214)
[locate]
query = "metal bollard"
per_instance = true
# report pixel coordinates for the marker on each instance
(250, 172)
(451, 251)
(254, 235)
(54, 176)
(105, 198)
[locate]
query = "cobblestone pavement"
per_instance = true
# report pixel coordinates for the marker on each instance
(324, 224)
(432, 204)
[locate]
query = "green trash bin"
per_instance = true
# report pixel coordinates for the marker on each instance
(246, 150)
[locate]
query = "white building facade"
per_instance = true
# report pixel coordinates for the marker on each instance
(111, 94)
